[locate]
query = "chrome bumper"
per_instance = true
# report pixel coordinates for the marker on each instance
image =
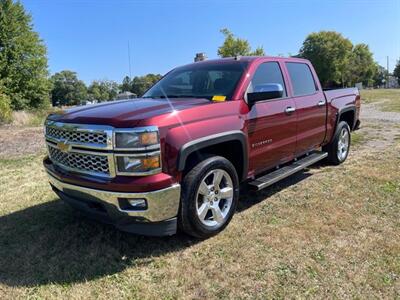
(161, 204)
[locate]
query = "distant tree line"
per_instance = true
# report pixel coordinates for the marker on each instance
(336, 60)
(24, 78)
(68, 89)
(139, 84)
(340, 63)
(25, 82)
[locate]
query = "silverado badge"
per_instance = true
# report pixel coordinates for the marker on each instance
(64, 146)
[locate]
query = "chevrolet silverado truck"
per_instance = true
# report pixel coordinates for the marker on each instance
(175, 158)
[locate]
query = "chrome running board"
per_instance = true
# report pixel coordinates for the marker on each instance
(279, 174)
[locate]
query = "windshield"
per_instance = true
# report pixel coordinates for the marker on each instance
(202, 80)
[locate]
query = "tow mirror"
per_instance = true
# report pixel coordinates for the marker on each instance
(265, 92)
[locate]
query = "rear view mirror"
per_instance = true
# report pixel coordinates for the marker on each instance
(265, 92)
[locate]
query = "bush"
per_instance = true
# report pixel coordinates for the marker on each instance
(5, 109)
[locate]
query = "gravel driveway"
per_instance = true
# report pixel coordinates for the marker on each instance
(372, 112)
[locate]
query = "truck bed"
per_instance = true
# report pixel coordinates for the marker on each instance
(339, 93)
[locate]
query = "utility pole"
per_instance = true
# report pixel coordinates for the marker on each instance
(129, 60)
(387, 75)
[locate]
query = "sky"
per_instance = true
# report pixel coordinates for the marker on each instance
(91, 37)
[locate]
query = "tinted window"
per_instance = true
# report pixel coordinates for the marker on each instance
(302, 79)
(199, 80)
(267, 73)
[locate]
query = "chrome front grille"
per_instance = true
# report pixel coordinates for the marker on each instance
(89, 148)
(80, 162)
(81, 148)
(84, 137)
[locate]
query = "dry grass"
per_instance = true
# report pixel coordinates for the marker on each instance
(21, 118)
(358, 138)
(31, 118)
(388, 99)
(326, 232)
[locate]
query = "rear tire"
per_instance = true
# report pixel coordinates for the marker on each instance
(210, 192)
(338, 149)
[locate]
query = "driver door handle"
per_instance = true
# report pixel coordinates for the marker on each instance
(321, 103)
(290, 110)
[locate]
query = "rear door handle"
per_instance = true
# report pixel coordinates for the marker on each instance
(289, 110)
(321, 103)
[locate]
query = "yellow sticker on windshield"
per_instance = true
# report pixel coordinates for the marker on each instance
(219, 98)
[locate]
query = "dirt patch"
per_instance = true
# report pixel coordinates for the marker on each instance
(20, 141)
(372, 112)
(379, 128)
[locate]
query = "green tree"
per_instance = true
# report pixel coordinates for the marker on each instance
(103, 90)
(396, 71)
(67, 89)
(23, 61)
(329, 53)
(126, 84)
(380, 75)
(234, 46)
(361, 66)
(140, 84)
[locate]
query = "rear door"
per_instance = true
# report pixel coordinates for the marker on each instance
(310, 106)
(271, 123)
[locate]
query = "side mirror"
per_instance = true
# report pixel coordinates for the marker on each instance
(265, 92)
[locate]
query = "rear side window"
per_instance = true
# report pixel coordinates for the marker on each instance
(302, 79)
(267, 73)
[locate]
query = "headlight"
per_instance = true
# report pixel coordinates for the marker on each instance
(139, 164)
(137, 138)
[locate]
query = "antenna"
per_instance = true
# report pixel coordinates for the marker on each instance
(129, 60)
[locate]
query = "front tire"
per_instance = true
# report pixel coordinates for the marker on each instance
(339, 148)
(210, 192)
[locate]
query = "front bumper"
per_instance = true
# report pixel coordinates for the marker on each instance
(159, 218)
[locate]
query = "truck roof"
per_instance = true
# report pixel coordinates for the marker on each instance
(247, 59)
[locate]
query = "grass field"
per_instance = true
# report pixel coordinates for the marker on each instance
(388, 99)
(327, 232)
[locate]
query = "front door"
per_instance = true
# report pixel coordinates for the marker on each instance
(271, 123)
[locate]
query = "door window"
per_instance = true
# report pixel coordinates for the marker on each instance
(267, 73)
(302, 79)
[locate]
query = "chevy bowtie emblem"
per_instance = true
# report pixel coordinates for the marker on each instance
(64, 146)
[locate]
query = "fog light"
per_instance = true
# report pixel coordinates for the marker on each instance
(138, 203)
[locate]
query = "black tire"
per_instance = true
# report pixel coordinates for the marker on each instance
(189, 221)
(332, 148)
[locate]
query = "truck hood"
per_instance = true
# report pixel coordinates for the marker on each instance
(125, 112)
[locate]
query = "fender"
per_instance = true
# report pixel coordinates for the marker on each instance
(198, 144)
(329, 135)
(343, 110)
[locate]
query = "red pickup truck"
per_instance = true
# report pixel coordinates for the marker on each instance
(175, 158)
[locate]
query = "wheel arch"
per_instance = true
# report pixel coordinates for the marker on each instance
(347, 114)
(231, 144)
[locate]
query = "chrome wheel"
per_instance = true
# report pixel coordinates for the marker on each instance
(214, 198)
(343, 144)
